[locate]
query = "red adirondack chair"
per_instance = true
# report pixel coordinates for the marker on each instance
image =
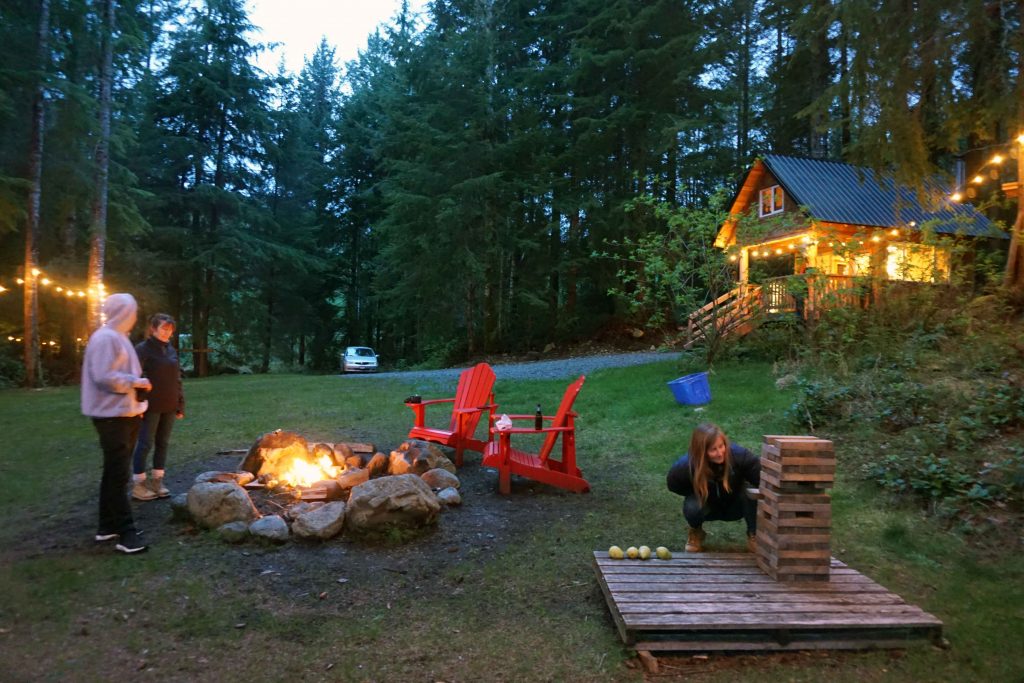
(473, 397)
(540, 467)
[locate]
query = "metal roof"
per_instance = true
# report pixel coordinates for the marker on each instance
(841, 193)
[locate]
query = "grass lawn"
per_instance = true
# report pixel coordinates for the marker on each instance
(524, 607)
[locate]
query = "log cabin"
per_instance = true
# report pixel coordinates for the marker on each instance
(847, 230)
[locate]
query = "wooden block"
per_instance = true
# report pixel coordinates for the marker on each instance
(772, 496)
(804, 443)
(794, 541)
(358, 447)
(805, 484)
(649, 661)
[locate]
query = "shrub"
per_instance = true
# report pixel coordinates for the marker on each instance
(821, 402)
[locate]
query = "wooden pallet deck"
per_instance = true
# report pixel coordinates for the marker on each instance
(717, 602)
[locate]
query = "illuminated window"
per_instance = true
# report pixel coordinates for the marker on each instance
(916, 262)
(771, 201)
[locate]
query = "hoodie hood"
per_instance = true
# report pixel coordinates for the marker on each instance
(120, 312)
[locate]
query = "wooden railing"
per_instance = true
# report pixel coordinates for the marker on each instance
(735, 312)
(728, 313)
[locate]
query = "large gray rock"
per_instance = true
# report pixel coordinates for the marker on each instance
(215, 504)
(233, 532)
(402, 500)
(240, 478)
(272, 528)
(179, 508)
(449, 496)
(440, 479)
(321, 524)
(431, 454)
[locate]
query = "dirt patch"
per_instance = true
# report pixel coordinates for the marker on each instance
(464, 537)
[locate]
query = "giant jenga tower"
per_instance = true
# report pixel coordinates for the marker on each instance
(794, 515)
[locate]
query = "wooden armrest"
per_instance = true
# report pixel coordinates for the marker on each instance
(432, 402)
(530, 430)
(474, 410)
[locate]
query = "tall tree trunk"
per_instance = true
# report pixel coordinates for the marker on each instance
(98, 230)
(35, 175)
(845, 108)
(268, 328)
(1014, 276)
(743, 125)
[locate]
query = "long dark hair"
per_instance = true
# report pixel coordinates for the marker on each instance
(704, 437)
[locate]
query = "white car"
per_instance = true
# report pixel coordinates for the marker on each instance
(359, 359)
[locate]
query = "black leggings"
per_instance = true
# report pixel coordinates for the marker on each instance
(728, 510)
(117, 437)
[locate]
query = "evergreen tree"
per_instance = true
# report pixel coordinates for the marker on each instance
(212, 110)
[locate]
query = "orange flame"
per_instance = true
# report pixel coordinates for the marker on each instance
(302, 472)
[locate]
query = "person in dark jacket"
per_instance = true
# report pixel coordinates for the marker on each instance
(166, 404)
(712, 477)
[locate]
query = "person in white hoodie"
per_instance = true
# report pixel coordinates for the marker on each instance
(110, 375)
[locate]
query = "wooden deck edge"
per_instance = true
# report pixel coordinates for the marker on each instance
(620, 623)
(698, 647)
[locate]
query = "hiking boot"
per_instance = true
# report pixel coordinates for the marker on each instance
(129, 544)
(695, 541)
(156, 485)
(751, 543)
(141, 491)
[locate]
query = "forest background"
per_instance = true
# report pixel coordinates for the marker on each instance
(453, 191)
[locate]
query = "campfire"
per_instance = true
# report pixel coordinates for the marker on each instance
(290, 486)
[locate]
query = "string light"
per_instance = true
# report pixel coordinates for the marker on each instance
(997, 159)
(59, 288)
(1020, 138)
(956, 196)
(977, 180)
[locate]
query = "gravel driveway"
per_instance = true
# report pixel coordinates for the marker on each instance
(560, 368)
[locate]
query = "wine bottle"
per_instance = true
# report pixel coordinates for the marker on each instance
(538, 419)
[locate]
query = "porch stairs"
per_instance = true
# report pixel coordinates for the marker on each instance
(734, 313)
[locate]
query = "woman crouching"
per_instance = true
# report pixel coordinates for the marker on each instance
(713, 477)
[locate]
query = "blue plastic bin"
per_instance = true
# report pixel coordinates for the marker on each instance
(691, 390)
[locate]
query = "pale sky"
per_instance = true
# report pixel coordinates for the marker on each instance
(299, 24)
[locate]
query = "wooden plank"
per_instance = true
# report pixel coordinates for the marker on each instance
(687, 573)
(796, 465)
(620, 625)
(734, 580)
(815, 497)
(767, 587)
(840, 643)
(793, 620)
(761, 598)
(783, 608)
(810, 443)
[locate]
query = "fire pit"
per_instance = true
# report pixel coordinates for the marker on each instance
(286, 486)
